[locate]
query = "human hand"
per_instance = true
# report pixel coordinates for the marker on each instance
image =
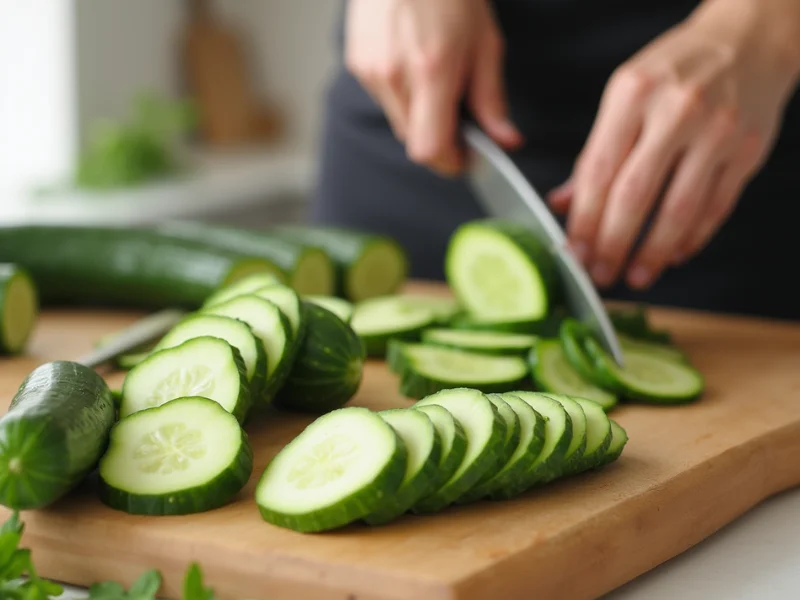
(694, 114)
(419, 59)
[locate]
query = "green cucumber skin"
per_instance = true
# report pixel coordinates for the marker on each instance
(9, 272)
(116, 266)
(619, 439)
(58, 425)
(572, 335)
(328, 368)
(214, 494)
(594, 459)
(344, 246)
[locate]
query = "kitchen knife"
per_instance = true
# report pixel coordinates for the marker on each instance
(140, 332)
(505, 192)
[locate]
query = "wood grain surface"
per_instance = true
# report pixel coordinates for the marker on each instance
(686, 472)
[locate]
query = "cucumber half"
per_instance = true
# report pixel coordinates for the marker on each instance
(185, 456)
(425, 370)
(499, 271)
(340, 469)
(424, 447)
(489, 342)
(202, 366)
(19, 308)
(485, 444)
(378, 320)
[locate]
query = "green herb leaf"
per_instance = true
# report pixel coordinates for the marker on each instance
(193, 588)
(147, 586)
(107, 590)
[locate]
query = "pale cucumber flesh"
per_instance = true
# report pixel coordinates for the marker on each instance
(464, 368)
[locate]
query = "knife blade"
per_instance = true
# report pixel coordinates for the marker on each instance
(140, 332)
(504, 192)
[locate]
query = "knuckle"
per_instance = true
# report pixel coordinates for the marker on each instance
(689, 100)
(631, 190)
(596, 168)
(631, 81)
(432, 60)
(680, 210)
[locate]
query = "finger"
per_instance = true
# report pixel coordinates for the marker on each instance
(684, 200)
(614, 133)
(486, 94)
(392, 95)
(559, 198)
(640, 179)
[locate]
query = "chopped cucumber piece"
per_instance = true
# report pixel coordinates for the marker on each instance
(202, 366)
(577, 451)
(273, 328)
(428, 369)
(572, 336)
(661, 350)
(619, 437)
(379, 319)
(500, 271)
(246, 285)
(287, 300)
(485, 443)
(340, 469)
(598, 434)
(553, 373)
(422, 443)
(19, 308)
(444, 308)
(338, 306)
(185, 456)
(453, 441)
(557, 438)
(237, 333)
(505, 482)
(634, 322)
(648, 377)
(489, 342)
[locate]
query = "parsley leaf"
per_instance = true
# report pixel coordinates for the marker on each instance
(193, 588)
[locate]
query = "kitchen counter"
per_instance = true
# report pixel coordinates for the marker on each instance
(757, 557)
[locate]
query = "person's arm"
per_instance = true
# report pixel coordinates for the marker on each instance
(695, 113)
(418, 59)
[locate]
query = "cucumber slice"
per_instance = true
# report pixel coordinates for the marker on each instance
(185, 456)
(453, 441)
(19, 308)
(500, 271)
(424, 448)
(444, 308)
(619, 438)
(338, 306)
(246, 285)
(572, 335)
(488, 342)
(273, 328)
(661, 350)
(127, 361)
(202, 366)
(634, 322)
(427, 369)
(598, 434)
(237, 333)
(557, 439)
(577, 452)
(485, 444)
(379, 319)
(289, 303)
(340, 469)
(553, 373)
(648, 377)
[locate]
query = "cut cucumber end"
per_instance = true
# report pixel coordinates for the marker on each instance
(20, 309)
(253, 266)
(314, 273)
(381, 269)
(245, 285)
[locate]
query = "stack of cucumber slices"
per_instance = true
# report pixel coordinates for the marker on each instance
(455, 446)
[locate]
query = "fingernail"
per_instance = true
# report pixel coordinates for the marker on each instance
(601, 273)
(581, 251)
(639, 276)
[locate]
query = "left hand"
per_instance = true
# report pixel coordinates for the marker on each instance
(694, 114)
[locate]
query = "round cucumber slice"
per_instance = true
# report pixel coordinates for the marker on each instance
(314, 272)
(202, 366)
(619, 438)
(485, 444)
(499, 271)
(489, 342)
(576, 453)
(185, 456)
(424, 447)
(453, 441)
(338, 306)
(379, 319)
(598, 434)
(288, 301)
(380, 268)
(340, 469)
(245, 285)
(19, 308)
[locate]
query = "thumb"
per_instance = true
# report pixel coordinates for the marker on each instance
(486, 94)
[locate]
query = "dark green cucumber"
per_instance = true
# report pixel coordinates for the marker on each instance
(368, 264)
(328, 368)
(19, 308)
(307, 269)
(188, 455)
(378, 320)
(499, 270)
(53, 434)
(117, 266)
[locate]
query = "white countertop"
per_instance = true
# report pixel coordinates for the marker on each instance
(756, 557)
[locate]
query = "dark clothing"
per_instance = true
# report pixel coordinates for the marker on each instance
(560, 54)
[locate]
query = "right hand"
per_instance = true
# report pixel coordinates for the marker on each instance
(418, 59)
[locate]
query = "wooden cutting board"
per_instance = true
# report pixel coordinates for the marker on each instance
(685, 473)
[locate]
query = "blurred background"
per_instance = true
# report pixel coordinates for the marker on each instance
(132, 112)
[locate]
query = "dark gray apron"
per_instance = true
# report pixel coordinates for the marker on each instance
(560, 54)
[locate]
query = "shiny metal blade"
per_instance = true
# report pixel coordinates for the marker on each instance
(505, 192)
(142, 331)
